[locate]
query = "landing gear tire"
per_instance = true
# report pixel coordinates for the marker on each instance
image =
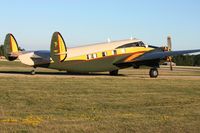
(33, 72)
(153, 73)
(114, 73)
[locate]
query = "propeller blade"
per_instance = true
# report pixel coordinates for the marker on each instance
(169, 45)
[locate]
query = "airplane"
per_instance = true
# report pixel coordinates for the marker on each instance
(109, 57)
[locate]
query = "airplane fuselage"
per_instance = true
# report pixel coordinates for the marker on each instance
(91, 58)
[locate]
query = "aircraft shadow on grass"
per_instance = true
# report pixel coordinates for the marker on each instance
(57, 73)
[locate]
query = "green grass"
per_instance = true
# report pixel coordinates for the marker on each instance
(98, 103)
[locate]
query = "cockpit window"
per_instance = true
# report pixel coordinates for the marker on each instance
(135, 44)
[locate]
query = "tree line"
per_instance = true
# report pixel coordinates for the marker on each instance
(181, 60)
(187, 60)
(2, 51)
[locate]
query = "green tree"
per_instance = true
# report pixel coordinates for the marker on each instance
(1, 50)
(21, 49)
(197, 60)
(187, 60)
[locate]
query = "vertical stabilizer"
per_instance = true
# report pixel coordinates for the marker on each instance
(58, 48)
(10, 47)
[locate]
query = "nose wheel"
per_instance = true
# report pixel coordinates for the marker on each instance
(153, 73)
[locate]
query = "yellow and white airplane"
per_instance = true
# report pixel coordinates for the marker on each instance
(102, 57)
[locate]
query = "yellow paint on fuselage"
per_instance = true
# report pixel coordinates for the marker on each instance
(119, 51)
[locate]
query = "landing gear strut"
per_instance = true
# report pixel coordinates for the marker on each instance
(153, 73)
(33, 71)
(114, 73)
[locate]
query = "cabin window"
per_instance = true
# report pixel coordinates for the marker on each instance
(135, 44)
(94, 55)
(123, 50)
(104, 54)
(114, 52)
(89, 56)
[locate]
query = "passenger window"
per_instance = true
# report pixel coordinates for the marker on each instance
(104, 54)
(114, 52)
(89, 56)
(94, 55)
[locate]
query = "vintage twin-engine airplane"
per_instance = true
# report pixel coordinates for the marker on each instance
(102, 57)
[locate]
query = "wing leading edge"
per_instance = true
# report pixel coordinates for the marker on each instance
(163, 55)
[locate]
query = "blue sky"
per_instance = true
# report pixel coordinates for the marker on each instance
(90, 21)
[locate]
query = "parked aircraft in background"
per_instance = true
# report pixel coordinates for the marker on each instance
(101, 57)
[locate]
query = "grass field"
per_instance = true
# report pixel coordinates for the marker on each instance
(132, 102)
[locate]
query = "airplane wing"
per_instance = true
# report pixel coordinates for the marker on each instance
(150, 58)
(163, 55)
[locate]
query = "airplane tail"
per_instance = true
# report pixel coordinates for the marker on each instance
(10, 48)
(58, 48)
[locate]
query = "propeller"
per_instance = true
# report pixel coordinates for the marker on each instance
(169, 48)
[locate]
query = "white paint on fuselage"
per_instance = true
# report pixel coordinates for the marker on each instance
(27, 58)
(94, 48)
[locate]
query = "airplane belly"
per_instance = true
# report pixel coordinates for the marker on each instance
(94, 66)
(99, 65)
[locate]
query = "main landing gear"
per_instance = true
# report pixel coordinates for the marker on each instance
(153, 73)
(114, 73)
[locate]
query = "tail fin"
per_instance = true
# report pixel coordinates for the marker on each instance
(58, 48)
(10, 47)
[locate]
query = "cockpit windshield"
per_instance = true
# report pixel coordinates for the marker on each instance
(135, 44)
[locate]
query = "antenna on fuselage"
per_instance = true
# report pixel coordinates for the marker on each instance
(109, 40)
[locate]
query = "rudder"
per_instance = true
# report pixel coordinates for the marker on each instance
(58, 48)
(10, 47)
